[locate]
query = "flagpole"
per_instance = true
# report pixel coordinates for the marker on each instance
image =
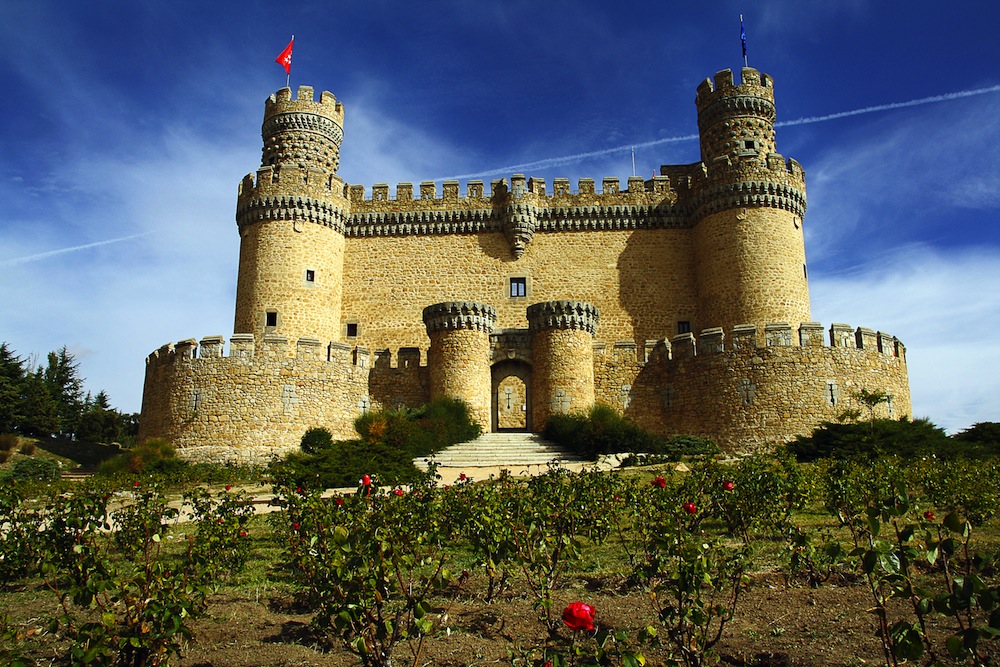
(633, 160)
(288, 75)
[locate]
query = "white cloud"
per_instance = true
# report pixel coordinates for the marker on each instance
(945, 307)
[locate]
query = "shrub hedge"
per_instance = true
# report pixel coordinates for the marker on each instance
(603, 430)
(389, 441)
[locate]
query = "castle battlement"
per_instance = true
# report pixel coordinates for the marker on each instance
(743, 338)
(274, 348)
(282, 102)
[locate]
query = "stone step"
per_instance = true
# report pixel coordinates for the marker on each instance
(501, 449)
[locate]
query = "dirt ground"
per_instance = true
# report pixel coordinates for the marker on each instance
(775, 625)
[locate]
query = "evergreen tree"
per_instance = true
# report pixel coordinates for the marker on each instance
(62, 378)
(11, 383)
(39, 412)
(99, 422)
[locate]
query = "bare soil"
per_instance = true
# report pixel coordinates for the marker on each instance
(776, 625)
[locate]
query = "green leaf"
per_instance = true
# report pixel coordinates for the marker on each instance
(956, 524)
(955, 646)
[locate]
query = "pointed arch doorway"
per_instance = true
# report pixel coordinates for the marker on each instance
(511, 402)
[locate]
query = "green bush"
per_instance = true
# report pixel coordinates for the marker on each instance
(343, 465)
(38, 470)
(390, 440)
(316, 440)
(8, 442)
(27, 448)
(880, 437)
(603, 430)
(152, 455)
(979, 441)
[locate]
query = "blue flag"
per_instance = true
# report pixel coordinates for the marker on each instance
(743, 38)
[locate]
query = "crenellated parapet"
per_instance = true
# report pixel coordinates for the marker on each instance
(749, 338)
(575, 315)
(258, 206)
(760, 186)
(458, 315)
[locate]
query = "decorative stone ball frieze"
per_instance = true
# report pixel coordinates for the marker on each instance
(563, 315)
(303, 122)
(451, 315)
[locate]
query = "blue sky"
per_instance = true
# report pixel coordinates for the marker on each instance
(128, 125)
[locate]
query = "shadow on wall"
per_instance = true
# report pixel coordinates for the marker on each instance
(656, 283)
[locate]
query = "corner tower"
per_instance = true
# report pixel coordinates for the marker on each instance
(748, 237)
(291, 223)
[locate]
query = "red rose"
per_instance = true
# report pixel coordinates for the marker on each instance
(366, 480)
(728, 486)
(338, 501)
(929, 515)
(298, 490)
(135, 485)
(659, 482)
(462, 477)
(228, 487)
(690, 508)
(243, 533)
(295, 526)
(398, 492)
(579, 616)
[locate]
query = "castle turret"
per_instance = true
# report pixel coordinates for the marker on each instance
(748, 238)
(562, 355)
(459, 355)
(291, 222)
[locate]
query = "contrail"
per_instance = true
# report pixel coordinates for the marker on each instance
(62, 251)
(887, 107)
(569, 159)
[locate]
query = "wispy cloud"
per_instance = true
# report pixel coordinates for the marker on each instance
(577, 157)
(62, 251)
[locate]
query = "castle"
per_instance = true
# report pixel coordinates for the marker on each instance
(681, 300)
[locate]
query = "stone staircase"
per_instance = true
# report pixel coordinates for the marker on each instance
(517, 452)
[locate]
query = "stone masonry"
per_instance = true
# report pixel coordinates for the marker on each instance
(681, 300)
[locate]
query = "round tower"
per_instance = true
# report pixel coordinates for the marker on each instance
(459, 355)
(562, 358)
(291, 223)
(748, 211)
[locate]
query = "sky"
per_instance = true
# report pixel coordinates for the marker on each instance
(127, 126)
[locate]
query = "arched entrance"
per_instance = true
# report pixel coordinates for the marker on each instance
(511, 390)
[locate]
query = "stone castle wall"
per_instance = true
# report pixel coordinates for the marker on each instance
(733, 387)
(750, 390)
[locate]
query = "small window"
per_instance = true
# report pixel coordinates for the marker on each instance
(805, 272)
(310, 276)
(683, 327)
(518, 287)
(271, 319)
(750, 145)
(352, 330)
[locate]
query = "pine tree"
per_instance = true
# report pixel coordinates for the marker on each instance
(11, 382)
(39, 410)
(62, 378)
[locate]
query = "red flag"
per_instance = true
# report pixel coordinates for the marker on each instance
(285, 57)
